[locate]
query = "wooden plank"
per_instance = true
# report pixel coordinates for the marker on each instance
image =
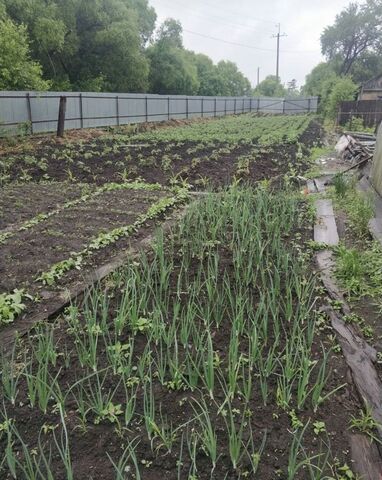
(311, 186)
(375, 227)
(320, 184)
(325, 230)
(360, 358)
(325, 263)
(366, 458)
(324, 207)
(359, 355)
(57, 302)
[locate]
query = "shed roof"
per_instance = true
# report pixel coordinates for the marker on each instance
(375, 82)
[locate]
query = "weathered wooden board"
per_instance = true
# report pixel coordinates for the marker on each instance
(367, 461)
(326, 263)
(59, 301)
(325, 229)
(360, 358)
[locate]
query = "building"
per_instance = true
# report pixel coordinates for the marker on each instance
(372, 89)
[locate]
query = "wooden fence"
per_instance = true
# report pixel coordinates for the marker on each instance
(370, 111)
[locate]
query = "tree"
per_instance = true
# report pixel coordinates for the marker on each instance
(17, 70)
(172, 70)
(315, 80)
(107, 45)
(343, 89)
(82, 43)
(271, 86)
(292, 90)
(367, 66)
(356, 30)
(208, 76)
(231, 82)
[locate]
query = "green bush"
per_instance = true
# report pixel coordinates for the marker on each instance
(343, 89)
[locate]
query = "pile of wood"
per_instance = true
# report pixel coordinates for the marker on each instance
(357, 148)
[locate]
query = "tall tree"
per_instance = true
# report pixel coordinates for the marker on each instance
(209, 80)
(83, 43)
(356, 30)
(17, 70)
(231, 81)
(172, 70)
(271, 86)
(317, 77)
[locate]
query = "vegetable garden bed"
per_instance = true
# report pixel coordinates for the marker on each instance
(206, 357)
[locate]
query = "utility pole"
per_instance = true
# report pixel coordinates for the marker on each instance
(258, 76)
(278, 48)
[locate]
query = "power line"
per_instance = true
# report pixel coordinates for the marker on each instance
(244, 45)
(208, 16)
(226, 41)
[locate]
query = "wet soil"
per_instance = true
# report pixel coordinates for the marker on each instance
(90, 449)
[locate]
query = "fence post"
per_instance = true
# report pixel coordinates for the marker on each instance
(81, 111)
(308, 105)
(225, 107)
(202, 107)
(168, 108)
(187, 108)
(29, 108)
(61, 117)
(375, 116)
(117, 109)
(284, 105)
(146, 110)
(215, 107)
(243, 105)
(258, 105)
(234, 107)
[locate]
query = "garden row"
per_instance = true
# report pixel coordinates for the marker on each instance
(208, 153)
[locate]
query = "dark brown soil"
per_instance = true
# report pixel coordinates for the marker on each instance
(19, 203)
(97, 162)
(89, 450)
(34, 250)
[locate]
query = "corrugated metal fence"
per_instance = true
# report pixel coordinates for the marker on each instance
(39, 110)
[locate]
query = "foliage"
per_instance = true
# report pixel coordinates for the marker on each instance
(366, 424)
(17, 70)
(343, 89)
(271, 86)
(104, 239)
(11, 304)
(88, 45)
(352, 49)
(156, 326)
(315, 80)
(356, 204)
(171, 69)
(244, 129)
(231, 82)
(109, 46)
(360, 271)
(208, 75)
(356, 30)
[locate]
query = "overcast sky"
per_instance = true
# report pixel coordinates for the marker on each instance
(252, 23)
